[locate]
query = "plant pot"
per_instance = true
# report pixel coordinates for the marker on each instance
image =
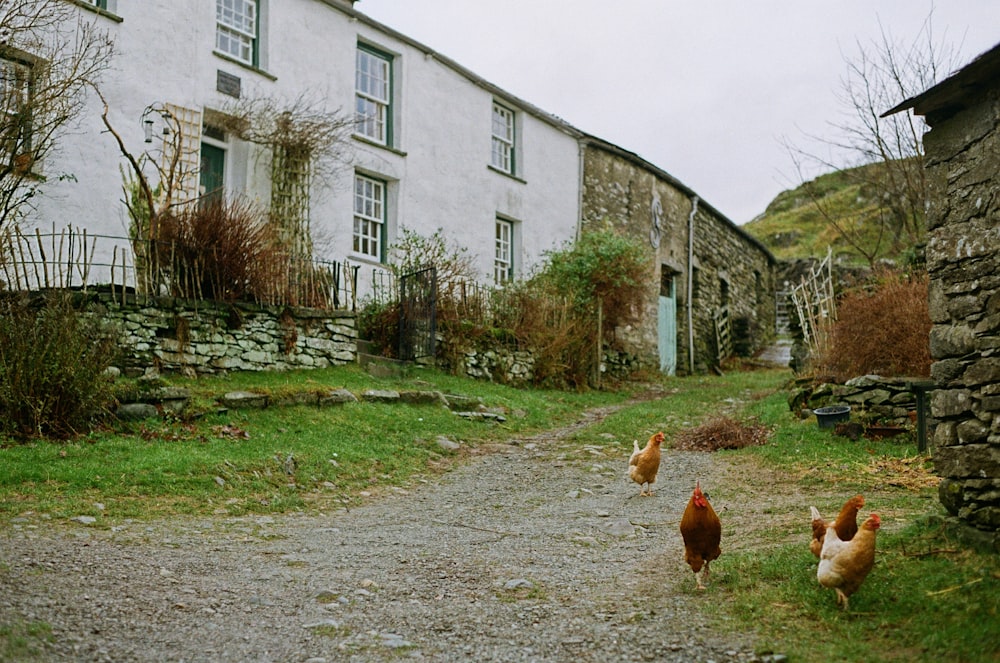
(828, 417)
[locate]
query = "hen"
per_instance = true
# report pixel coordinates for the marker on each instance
(846, 523)
(702, 532)
(643, 464)
(844, 565)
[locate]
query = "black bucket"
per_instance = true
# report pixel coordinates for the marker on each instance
(828, 417)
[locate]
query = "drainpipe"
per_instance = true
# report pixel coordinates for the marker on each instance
(690, 284)
(582, 146)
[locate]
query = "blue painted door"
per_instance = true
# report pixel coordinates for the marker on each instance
(667, 324)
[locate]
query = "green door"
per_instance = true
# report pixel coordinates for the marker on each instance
(213, 168)
(667, 323)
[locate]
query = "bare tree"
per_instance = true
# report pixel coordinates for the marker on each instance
(879, 75)
(49, 56)
(169, 157)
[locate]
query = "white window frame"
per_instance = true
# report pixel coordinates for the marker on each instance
(373, 95)
(503, 156)
(503, 261)
(236, 29)
(369, 217)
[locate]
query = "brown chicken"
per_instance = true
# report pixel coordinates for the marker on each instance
(844, 565)
(702, 532)
(846, 523)
(643, 464)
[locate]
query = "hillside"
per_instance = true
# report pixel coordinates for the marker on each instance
(793, 226)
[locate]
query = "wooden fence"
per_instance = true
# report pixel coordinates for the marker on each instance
(74, 259)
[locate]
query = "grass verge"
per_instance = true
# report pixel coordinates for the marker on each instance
(271, 460)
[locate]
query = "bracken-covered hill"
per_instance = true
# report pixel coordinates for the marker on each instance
(793, 226)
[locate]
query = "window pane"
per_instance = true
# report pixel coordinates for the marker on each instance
(503, 262)
(236, 28)
(15, 90)
(503, 138)
(369, 217)
(371, 83)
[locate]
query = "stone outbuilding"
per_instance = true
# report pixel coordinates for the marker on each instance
(962, 152)
(711, 285)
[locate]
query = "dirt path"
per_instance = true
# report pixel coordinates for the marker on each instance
(536, 550)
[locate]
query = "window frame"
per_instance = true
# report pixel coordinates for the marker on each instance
(503, 255)
(234, 32)
(503, 152)
(24, 78)
(381, 121)
(368, 235)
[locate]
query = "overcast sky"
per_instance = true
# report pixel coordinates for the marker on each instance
(704, 89)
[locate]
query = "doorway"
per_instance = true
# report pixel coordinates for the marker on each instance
(667, 321)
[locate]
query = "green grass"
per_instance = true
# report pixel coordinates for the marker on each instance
(24, 640)
(793, 227)
(237, 462)
(929, 597)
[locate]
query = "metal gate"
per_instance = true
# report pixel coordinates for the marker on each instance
(417, 307)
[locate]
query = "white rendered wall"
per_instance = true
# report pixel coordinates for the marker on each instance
(437, 172)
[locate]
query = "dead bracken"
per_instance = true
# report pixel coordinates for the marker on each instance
(722, 433)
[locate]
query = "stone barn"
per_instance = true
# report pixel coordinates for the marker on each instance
(711, 287)
(962, 153)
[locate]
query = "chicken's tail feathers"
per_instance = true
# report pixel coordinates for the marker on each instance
(635, 446)
(815, 513)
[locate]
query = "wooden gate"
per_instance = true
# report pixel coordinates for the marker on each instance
(417, 309)
(723, 333)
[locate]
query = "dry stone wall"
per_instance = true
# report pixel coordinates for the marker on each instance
(963, 258)
(198, 338)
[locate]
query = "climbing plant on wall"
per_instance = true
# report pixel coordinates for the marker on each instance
(306, 144)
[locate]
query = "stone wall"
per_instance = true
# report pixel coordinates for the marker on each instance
(873, 399)
(629, 196)
(963, 258)
(174, 335)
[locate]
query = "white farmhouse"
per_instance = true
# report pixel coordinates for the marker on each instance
(434, 146)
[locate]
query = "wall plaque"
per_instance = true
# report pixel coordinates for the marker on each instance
(227, 84)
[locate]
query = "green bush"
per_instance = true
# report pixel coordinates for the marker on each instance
(378, 323)
(53, 362)
(601, 268)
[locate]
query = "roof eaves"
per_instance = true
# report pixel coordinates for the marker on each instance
(474, 78)
(957, 87)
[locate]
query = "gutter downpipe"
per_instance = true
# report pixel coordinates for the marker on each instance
(582, 147)
(690, 285)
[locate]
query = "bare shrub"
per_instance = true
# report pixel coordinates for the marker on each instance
(882, 328)
(220, 250)
(560, 337)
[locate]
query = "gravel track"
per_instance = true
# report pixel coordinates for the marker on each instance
(534, 550)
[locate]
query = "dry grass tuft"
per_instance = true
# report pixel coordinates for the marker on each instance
(911, 473)
(722, 433)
